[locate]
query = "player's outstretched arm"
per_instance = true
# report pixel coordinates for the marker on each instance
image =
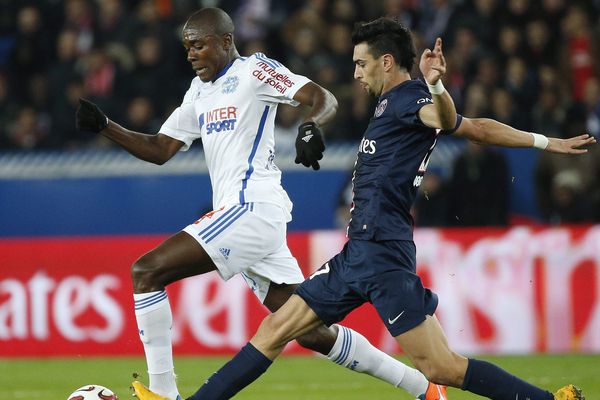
(492, 132)
(156, 149)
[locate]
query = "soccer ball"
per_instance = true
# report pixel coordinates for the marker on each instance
(92, 392)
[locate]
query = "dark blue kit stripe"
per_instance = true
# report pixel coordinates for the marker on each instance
(150, 300)
(226, 225)
(346, 344)
(261, 127)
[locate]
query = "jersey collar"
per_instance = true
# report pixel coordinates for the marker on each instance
(224, 70)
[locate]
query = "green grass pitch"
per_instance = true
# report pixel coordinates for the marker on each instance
(291, 378)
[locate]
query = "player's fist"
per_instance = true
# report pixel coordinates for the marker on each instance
(89, 117)
(309, 145)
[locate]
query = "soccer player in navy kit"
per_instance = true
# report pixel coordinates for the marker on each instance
(377, 264)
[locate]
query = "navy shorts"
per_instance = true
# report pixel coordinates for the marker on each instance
(382, 273)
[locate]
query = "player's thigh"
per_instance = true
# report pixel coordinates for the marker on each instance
(278, 294)
(176, 258)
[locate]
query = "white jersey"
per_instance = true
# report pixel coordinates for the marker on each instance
(235, 117)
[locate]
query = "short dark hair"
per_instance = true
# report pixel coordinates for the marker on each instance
(387, 36)
(213, 20)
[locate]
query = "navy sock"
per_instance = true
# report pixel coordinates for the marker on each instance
(243, 369)
(488, 380)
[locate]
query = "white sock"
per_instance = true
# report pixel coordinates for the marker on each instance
(353, 351)
(154, 321)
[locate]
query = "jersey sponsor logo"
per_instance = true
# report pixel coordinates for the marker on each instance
(367, 146)
(425, 100)
(267, 74)
(219, 120)
(380, 108)
(230, 84)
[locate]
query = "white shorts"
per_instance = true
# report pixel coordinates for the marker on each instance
(248, 239)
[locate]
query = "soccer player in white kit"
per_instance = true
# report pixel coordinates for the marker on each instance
(231, 106)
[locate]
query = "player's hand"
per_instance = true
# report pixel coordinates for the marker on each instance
(89, 117)
(309, 145)
(570, 146)
(433, 63)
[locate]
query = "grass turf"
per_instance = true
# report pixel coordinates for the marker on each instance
(291, 378)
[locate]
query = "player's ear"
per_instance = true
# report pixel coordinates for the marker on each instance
(227, 41)
(388, 62)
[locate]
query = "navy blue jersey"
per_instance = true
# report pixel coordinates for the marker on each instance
(392, 159)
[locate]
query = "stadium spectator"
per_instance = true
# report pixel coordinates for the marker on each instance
(539, 47)
(431, 206)
(548, 113)
(510, 41)
(26, 130)
(7, 110)
(479, 182)
(579, 53)
(581, 175)
(78, 16)
(31, 52)
(568, 202)
(591, 103)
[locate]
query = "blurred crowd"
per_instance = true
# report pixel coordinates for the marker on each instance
(534, 64)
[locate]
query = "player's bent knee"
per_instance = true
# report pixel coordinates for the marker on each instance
(144, 274)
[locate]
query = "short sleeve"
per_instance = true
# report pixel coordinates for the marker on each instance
(273, 82)
(182, 124)
(415, 98)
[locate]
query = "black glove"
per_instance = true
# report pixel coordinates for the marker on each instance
(89, 117)
(309, 145)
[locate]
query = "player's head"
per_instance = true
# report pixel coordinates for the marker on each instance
(208, 40)
(380, 46)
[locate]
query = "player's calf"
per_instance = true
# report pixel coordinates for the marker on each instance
(320, 339)
(448, 370)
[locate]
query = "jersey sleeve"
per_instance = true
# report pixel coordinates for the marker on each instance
(415, 98)
(182, 123)
(273, 82)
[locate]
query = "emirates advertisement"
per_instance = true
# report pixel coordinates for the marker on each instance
(502, 291)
